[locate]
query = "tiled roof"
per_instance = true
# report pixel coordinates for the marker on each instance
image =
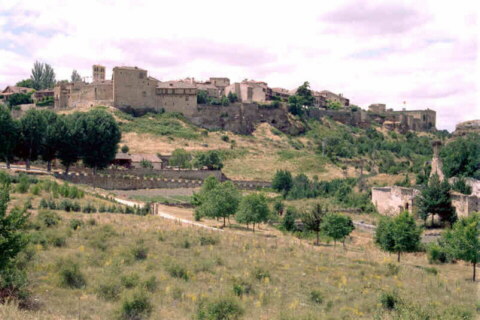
(175, 84)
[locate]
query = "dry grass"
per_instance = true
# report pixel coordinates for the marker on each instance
(350, 282)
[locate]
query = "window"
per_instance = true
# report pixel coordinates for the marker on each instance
(186, 98)
(144, 93)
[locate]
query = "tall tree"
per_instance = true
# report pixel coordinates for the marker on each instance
(26, 83)
(180, 158)
(75, 77)
(43, 76)
(210, 159)
(51, 137)
(434, 199)
(9, 135)
(399, 234)
(282, 181)
(253, 209)
(101, 138)
(313, 220)
(461, 157)
(32, 129)
(71, 130)
(337, 226)
(463, 241)
(220, 202)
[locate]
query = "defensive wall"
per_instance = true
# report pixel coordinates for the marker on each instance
(164, 173)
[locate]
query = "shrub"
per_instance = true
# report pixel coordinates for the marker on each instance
(109, 290)
(242, 287)
(316, 296)
(431, 270)
(70, 275)
(219, 309)
(392, 269)
(437, 254)
(43, 204)
(48, 218)
(139, 252)
(130, 280)
(89, 208)
(178, 271)
(136, 307)
(35, 190)
(260, 273)
(23, 184)
(225, 138)
(56, 240)
(75, 224)
(151, 284)
(389, 300)
(91, 222)
(208, 240)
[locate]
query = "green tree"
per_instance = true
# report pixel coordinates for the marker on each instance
(232, 97)
(13, 240)
(399, 234)
(19, 98)
(253, 209)
(208, 184)
(9, 135)
(434, 199)
(288, 221)
(51, 137)
(337, 226)
(26, 83)
(75, 77)
(180, 158)
(312, 220)
(460, 185)
(202, 97)
(282, 181)
(461, 157)
(463, 240)
(101, 138)
(32, 130)
(334, 105)
(210, 159)
(305, 94)
(71, 131)
(220, 202)
(125, 148)
(43, 76)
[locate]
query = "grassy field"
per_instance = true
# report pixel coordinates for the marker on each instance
(182, 272)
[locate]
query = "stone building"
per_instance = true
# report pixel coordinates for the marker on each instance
(98, 73)
(83, 95)
(393, 200)
(333, 97)
(281, 93)
(249, 91)
(403, 120)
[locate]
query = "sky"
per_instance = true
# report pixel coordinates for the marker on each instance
(408, 54)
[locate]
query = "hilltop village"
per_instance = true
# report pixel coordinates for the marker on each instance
(205, 103)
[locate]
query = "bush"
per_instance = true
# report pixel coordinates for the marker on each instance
(139, 252)
(220, 309)
(136, 307)
(242, 287)
(89, 208)
(437, 254)
(288, 221)
(151, 284)
(225, 138)
(130, 281)
(56, 240)
(260, 273)
(70, 275)
(48, 218)
(208, 240)
(392, 269)
(109, 290)
(23, 184)
(178, 271)
(389, 300)
(75, 224)
(316, 296)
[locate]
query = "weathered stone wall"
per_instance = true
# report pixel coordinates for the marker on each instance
(240, 118)
(132, 88)
(167, 173)
(464, 205)
(393, 200)
(357, 118)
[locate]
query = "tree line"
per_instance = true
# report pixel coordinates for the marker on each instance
(91, 137)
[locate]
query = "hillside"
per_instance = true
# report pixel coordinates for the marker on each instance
(328, 149)
(185, 272)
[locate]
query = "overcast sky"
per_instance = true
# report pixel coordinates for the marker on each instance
(412, 54)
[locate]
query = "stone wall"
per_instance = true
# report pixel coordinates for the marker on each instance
(357, 118)
(465, 204)
(166, 173)
(393, 200)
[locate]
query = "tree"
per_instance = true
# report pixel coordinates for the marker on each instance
(32, 129)
(210, 159)
(463, 240)
(71, 129)
(9, 135)
(75, 77)
(101, 138)
(399, 234)
(334, 105)
(220, 202)
(43, 76)
(180, 158)
(460, 185)
(232, 97)
(253, 209)
(288, 222)
(125, 148)
(313, 220)
(208, 184)
(461, 157)
(282, 181)
(26, 83)
(279, 207)
(12, 241)
(434, 199)
(51, 137)
(302, 98)
(19, 98)
(337, 226)
(202, 97)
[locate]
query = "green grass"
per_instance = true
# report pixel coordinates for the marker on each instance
(165, 124)
(163, 199)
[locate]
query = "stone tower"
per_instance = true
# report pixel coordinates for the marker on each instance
(98, 73)
(437, 166)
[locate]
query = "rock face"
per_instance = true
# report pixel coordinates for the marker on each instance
(464, 128)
